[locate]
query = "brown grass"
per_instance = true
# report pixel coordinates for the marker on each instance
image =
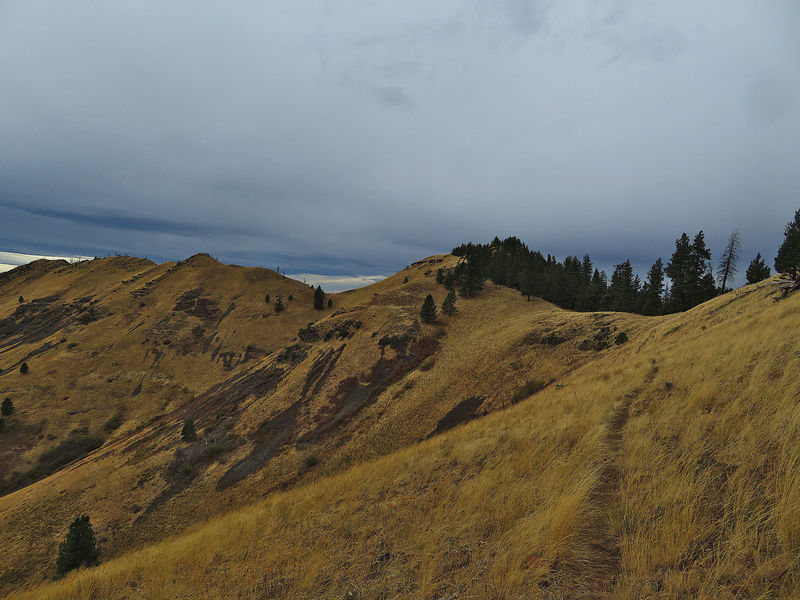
(662, 468)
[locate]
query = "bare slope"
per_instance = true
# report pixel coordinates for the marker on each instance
(664, 467)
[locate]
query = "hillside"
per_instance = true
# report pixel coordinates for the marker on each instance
(372, 456)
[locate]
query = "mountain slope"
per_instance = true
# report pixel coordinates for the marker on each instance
(662, 467)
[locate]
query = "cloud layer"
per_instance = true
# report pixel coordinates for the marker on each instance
(346, 137)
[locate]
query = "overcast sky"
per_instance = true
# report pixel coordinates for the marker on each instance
(353, 138)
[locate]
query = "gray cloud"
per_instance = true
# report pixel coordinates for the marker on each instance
(354, 138)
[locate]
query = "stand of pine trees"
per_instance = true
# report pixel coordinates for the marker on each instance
(576, 284)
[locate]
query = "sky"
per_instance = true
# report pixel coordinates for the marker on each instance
(352, 138)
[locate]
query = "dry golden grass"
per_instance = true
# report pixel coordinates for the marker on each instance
(670, 461)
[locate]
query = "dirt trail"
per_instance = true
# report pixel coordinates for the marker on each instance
(599, 572)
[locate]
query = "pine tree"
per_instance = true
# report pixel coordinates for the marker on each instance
(678, 270)
(188, 433)
(623, 288)
(428, 311)
(787, 262)
(727, 263)
(690, 272)
(79, 549)
(319, 298)
(758, 270)
(330, 303)
(597, 290)
(279, 303)
(653, 289)
(7, 408)
(702, 275)
(449, 303)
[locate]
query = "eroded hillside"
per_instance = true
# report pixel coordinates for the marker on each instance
(661, 467)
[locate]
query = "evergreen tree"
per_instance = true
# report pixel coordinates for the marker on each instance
(79, 549)
(690, 272)
(428, 311)
(678, 270)
(319, 298)
(787, 262)
(527, 281)
(23, 368)
(623, 288)
(266, 298)
(727, 268)
(653, 289)
(279, 303)
(449, 303)
(188, 433)
(330, 303)
(758, 270)
(7, 408)
(704, 287)
(597, 290)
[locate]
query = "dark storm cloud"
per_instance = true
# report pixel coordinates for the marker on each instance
(353, 138)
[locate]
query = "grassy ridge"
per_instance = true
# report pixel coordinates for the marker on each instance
(664, 467)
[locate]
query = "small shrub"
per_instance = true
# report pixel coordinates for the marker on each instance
(79, 549)
(23, 368)
(330, 303)
(266, 298)
(553, 339)
(7, 408)
(21, 299)
(405, 279)
(308, 333)
(279, 304)
(188, 433)
(291, 297)
(113, 423)
(527, 390)
(310, 461)
(621, 338)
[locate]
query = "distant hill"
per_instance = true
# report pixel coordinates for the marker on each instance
(514, 449)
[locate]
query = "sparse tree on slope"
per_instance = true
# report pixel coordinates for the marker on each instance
(188, 433)
(449, 303)
(758, 270)
(428, 311)
(7, 408)
(319, 298)
(788, 259)
(727, 263)
(79, 549)
(279, 303)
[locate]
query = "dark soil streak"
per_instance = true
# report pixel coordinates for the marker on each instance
(461, 413)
